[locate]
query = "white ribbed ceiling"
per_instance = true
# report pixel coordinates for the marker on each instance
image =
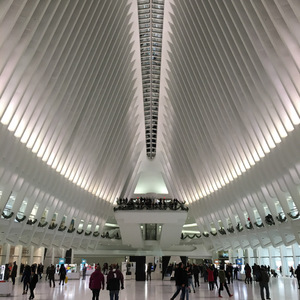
(72, 132)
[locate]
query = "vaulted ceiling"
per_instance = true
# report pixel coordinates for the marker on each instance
(73, 113)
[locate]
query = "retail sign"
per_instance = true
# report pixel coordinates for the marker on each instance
(239, 261)
(61, 261)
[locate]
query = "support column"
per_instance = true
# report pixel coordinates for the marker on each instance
(31, 252)
(230, 256)
(5, 254)
(284, 263)
(18, 257)
(272, 258)
(63, 253)
(251, 259)
(52, 256)
(42, 250)
(296, 252)
(258, 252)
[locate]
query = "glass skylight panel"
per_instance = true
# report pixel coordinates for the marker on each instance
(151, 13)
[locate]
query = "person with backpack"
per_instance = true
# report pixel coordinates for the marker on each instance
(115, 281)
(26, 279)
(96, 282)
(62, 274)
(263, 278)
(297, 272)
(222, 278)
(32, 282)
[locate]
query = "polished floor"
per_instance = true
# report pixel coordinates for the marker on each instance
(280, 289)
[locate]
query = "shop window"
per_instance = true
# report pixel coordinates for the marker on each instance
(89, 228)
(62, 225)
(292, 206)
(33, 212)
(9, 206)
(72, 226)
(53, 220)
(21, 212)
(44, 216)
(80, 226)
(257, 216)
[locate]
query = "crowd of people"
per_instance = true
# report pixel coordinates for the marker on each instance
(187, 278)
(30, 276)
(114, 281)
(150, 203)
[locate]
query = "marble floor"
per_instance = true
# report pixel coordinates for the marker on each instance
(280, 289)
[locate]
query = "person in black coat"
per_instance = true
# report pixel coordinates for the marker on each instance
(264, 282)
(62, 274)
(32, 283)
(26, 279)
(297, 272)
(51, 275)
(181, 281)
(14, 273)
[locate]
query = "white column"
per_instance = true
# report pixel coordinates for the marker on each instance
(258, 251)
(63, 253)
(31, 253)
(42, 251)
(5, 254)
(251, 259)
(230, 256)
(272, 258)
(296, 253)
(18, 257)
(52, 256)
(284, 263)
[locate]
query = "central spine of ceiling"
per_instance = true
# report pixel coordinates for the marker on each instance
(151, 15)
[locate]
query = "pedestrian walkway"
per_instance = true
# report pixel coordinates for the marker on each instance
(280, 289)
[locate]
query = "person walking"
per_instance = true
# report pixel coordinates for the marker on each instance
(62, 274)
(292, 272)
(96, 282)
(228, 273)
(13, 274)
(40, 269)
(149, 267)
(190, 279)
(180, 281)
(264, 283)
(222, 278)
(51, 275)
(248, 278)
(186, 284)
(26, 279)
(84, 271)
(196, 272)
(297, 272)
(47, 273)
(115, 281)
(32, 283)
(210, 277)
(216, 272)
(235, 272)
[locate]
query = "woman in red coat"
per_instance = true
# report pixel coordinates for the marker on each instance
(96, 282)
(211, 278)
(248, 278)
